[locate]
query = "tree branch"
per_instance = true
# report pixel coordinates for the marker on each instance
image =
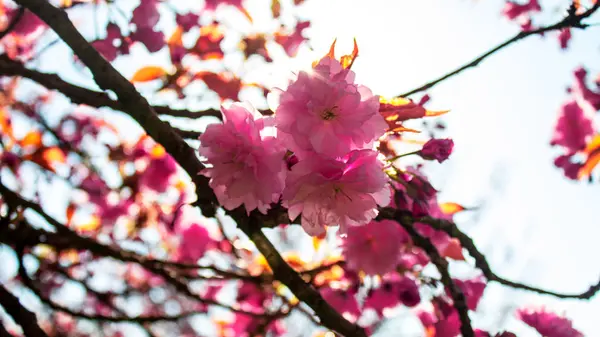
(305, 292)
(108, 78)
(134, 104)
(481, 262)
(572, 20)
(460, 302)
(80, 95)
(25, 318)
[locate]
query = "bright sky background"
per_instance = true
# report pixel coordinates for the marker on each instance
(535, 225)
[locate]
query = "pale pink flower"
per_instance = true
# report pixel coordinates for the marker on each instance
(573, 127)
(375, 247)
(331, 192)
(548, 324)
(248, 165)
(323, 111)
(195, 241)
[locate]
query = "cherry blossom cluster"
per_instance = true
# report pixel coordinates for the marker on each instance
(316, 155)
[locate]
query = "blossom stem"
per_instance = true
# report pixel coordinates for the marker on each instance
(403, 155)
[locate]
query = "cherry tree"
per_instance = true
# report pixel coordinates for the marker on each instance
(194, 198)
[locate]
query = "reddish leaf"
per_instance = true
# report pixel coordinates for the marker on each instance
(70, 212)
(208, 45)
(591, 162)
(348, 60)
(33, 139)
(148, 73)
(454, 250)
(226, 85)
(276, 8)
(451, 208)
(47, 157)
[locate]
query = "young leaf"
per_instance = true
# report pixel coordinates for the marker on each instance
(148, 73)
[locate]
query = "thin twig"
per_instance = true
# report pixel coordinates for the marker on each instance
(481, 262)
(458, 298)
(572, 20)
(13, 23)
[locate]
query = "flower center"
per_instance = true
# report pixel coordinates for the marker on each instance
(328, 115)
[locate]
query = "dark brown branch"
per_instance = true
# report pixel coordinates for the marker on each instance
(305, 292)
(29, 283)
(481, 262)
(132, 102)
(572, 20)
(25, 318)
(26, 235)
(4, 332)
(460, 302)
(108, 78)
(13, 23)
(80, 95)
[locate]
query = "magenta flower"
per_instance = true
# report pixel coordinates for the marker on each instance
(548, 324)
(570, 168)
(473, 290)
(195, 241)
(573, 127)
(330, 192)
(393, 291)
(437, 149)
(375, 247)
(512, 10)
(344, 301)
(564, 37)
(157, 175)
(582, 91)
(248, 165)
(323, 111)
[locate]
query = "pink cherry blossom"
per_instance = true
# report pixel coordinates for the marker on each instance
(323, 111)
(187, 21)
(291, 42)
(512, 9)
(195, 241)
(248, 165)
(211, 5)
(157, 175)
(473, 290)
(571, 169)
(581, 90)
(438, 149)
(564, 37)
(344, 301)
(548, 324)
(331, 192)
(28, 24)
(107, 47)
(573, 127)
(145, 18)
(394, 290)
(374, 248)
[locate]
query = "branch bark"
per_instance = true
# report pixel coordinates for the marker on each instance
(458, 297)
(25, 318)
